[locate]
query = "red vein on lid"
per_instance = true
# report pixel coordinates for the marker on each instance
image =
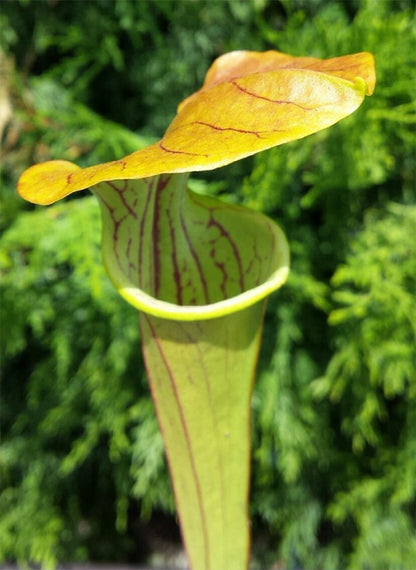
(215, 127)
(122, 163)
(180, 151)
(277, 101)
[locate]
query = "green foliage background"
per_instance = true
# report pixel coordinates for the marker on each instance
(334, 428)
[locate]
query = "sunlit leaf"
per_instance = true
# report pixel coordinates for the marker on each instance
(250, 102)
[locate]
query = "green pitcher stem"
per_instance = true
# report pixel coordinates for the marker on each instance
(201, 377)
(196, 267)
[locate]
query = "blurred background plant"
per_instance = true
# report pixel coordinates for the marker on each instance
(83, 472)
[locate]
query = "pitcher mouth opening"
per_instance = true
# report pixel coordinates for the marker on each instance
(178, 255)
(163, 309)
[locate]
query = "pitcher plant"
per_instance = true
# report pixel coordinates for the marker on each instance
(199, 270)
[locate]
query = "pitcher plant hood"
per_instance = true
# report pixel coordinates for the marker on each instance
(249, 102)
